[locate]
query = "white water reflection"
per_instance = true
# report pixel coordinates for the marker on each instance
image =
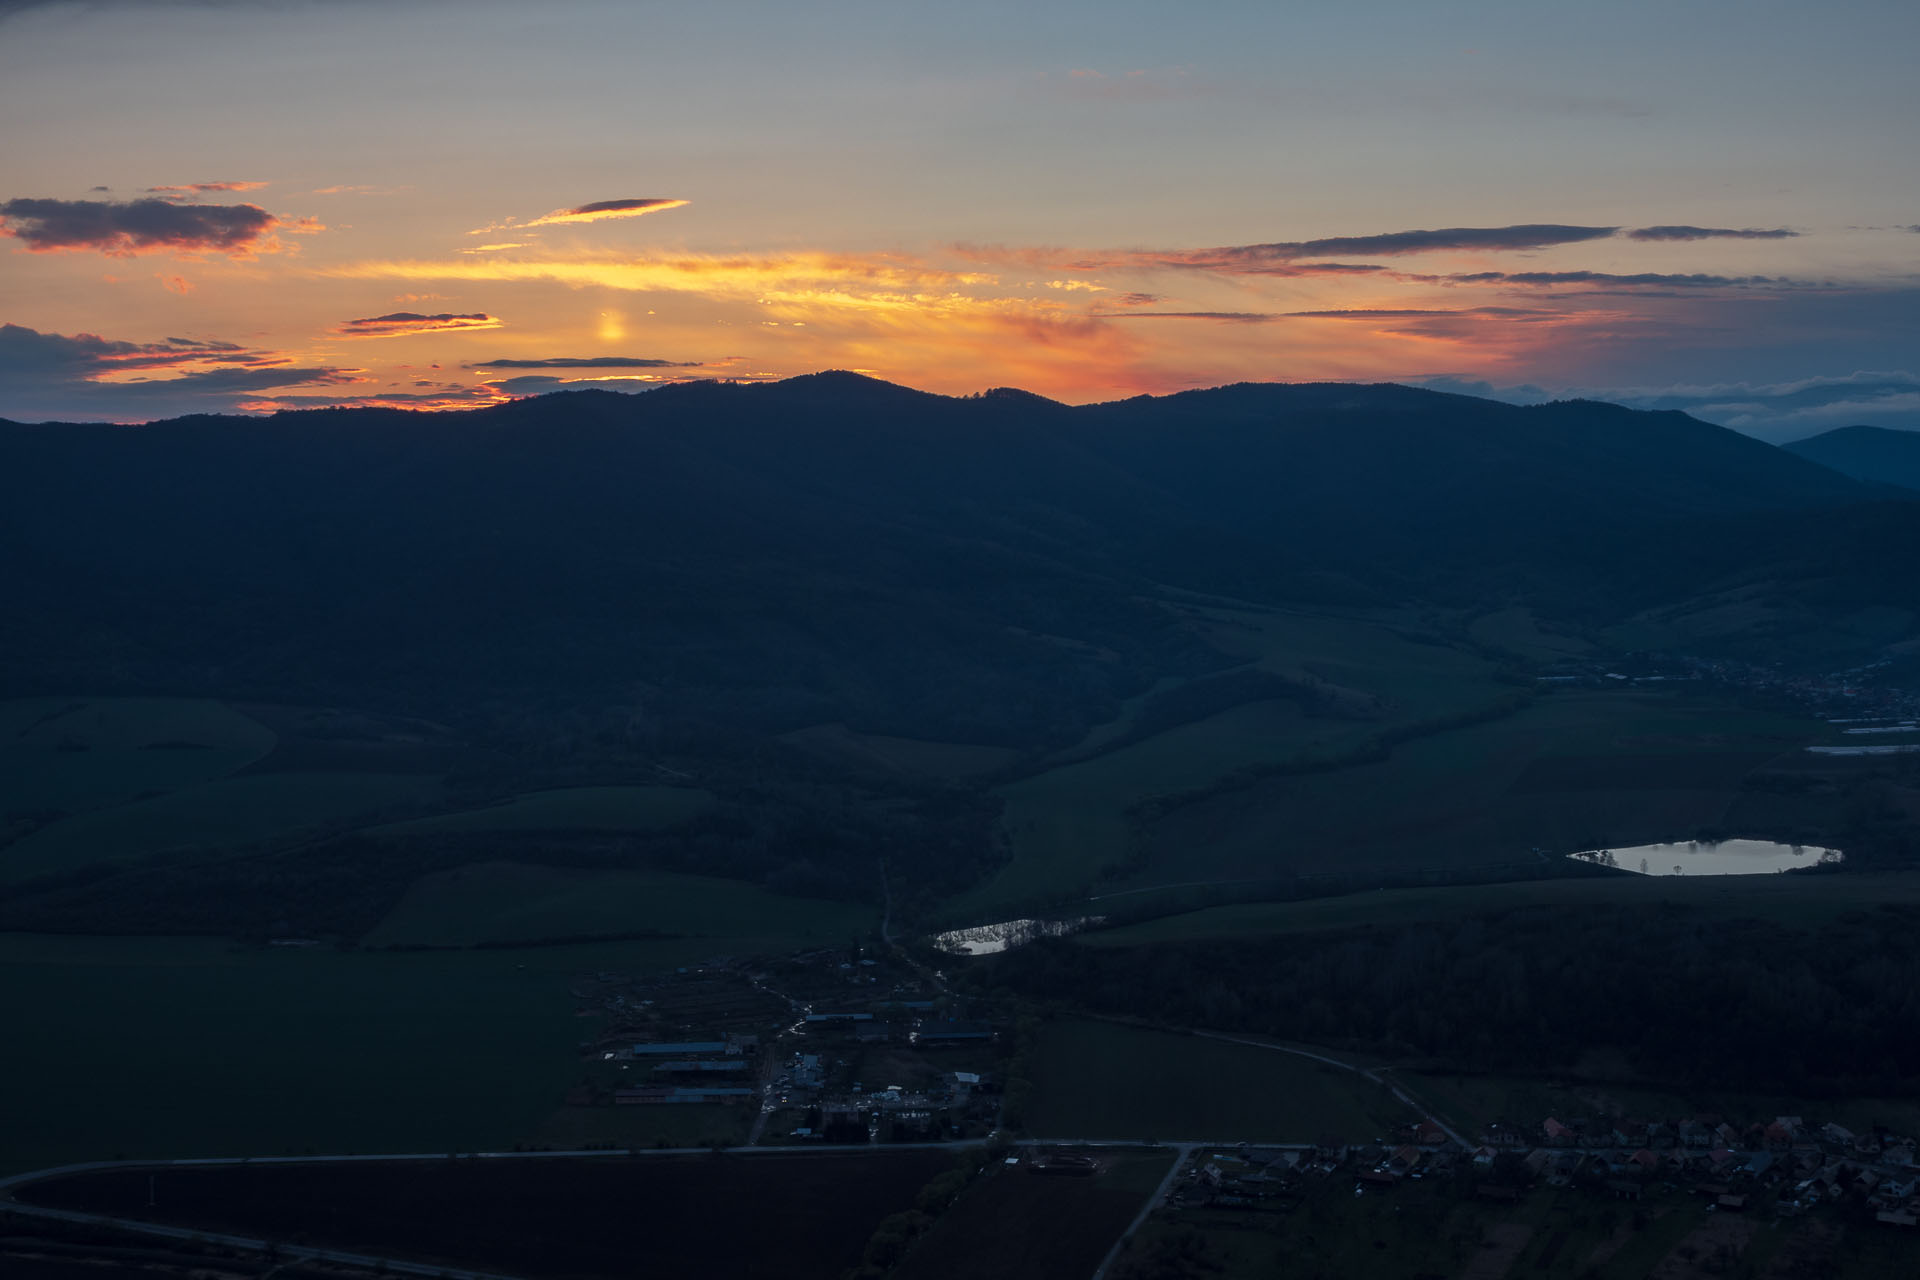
(1900, 750)
(991, 939)
(1711, 858)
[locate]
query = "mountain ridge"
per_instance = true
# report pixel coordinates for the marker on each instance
(835, 547)
(1882, 455)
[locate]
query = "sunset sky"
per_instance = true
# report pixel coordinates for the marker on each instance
(1711, 205)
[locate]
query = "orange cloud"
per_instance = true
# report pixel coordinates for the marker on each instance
(192, 188)
(598, 211)
(823, 277)
(604, 209)
(401, 324)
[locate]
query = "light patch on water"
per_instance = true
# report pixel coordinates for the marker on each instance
(1711, 858)
(991, 939)
(1899, 750)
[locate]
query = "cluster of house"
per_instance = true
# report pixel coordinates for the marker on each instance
(1855, 691)
(695, 1035)
(1783, 1163)
(1247, 1177)
(1795, 1164)
(856, 1112)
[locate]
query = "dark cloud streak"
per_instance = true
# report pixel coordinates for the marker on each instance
(588, 362)
(1537, 235)
(125, 228)
(1711, 233)
(1539, 279)
(398, 324)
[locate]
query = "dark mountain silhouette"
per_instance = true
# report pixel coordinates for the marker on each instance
(1878, 455)
(989, 568)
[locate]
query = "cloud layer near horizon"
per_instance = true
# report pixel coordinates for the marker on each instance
(587, 362)
(54, 375)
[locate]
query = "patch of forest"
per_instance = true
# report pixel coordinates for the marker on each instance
(1678, 995)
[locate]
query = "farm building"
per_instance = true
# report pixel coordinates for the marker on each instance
(658, 1096)
(681, 1049)
(937, 1033)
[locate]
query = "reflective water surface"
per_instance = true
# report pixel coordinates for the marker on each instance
(1708, 858)
(990, 939)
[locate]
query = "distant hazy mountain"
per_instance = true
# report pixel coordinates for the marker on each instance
(989, 568)
(1875, 454)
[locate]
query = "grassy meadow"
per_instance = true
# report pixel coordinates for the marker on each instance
(948, 761)
(1790, 899)
(570, 809)
(1105, 1080)
(1433, 1228)
(65, 756)
(1517, 631)
(1577, 769)
(1016, 1226)
(1068, 826)
(177, 1047)
(517, 902)
(218, 814)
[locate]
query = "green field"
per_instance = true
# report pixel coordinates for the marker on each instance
(1438, 1228)
(571, 809)
(1517, 631)
(1576, 770)
(1013, 1225)
(1424, 1229)
(1067, 826)
(689, 1125)
(72, 755)
(1790, 899)
(1108, 1081)
(511, 902)
(169, 1047)
(950, 761)
(217, 814)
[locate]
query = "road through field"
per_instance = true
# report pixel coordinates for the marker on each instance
(1363, 1072)
(1181, 1151)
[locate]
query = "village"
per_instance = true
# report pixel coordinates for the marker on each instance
(1783, 1166)
(834, 1045)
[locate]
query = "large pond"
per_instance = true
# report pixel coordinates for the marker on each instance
(1711, 858)
(990, 939)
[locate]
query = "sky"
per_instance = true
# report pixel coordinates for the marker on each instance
(251, 205)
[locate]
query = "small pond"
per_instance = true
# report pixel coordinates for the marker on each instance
(1711, 858)
(991, 939)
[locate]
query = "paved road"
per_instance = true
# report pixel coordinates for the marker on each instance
(7, 1185)
(1182, 1148)
(303, 1253)
(1159, 1197)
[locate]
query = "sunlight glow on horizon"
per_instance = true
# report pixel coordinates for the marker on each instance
(1088, 209)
